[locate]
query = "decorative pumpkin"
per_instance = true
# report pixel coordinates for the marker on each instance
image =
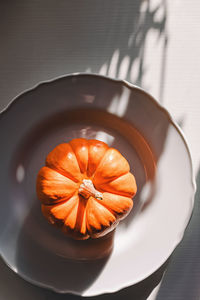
(85, 188)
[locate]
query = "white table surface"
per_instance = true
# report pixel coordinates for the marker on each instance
(154, 44)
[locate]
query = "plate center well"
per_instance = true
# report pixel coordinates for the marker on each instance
(61, 128)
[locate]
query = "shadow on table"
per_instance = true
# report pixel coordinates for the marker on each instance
(46, 39)
(181, 280)
(13, 287)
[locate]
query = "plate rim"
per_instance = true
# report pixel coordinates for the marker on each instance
(192, 176)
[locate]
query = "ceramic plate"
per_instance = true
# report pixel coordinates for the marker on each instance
(125, 117)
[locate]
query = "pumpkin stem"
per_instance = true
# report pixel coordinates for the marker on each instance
(87, 189)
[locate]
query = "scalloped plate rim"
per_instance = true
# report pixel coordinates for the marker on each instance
(193, 182)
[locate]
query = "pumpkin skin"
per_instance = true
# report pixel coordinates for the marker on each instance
(85, 188)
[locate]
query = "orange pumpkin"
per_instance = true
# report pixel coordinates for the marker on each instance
(86, 188)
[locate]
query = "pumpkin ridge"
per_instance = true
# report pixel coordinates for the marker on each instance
(98, 164)
(49, 183)
(52, 213)
(88, 226)
(117, 193)
(80, 214)
(65, 199)
(62, 173)
(105, 206)
(96, 214)
(117, 214)
(121, 193)
(108, 179)
(113, 178)
(77, 157)
(69, 212)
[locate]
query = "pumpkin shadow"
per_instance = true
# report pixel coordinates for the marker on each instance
(45, 253)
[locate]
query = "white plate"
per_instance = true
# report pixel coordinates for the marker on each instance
(130, 120)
